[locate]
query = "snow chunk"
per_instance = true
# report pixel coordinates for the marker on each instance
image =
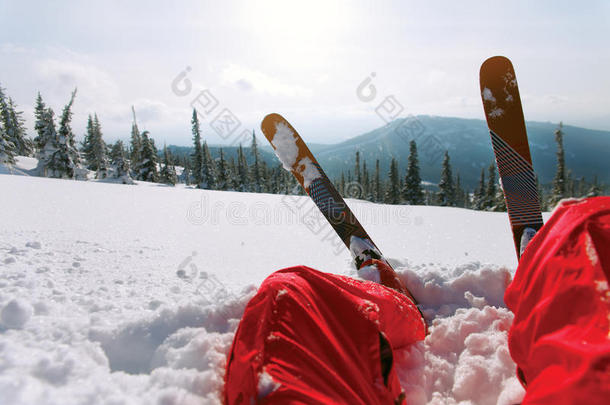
(496, 112)
(488, 95)
(286, 148)
(33, 245)
(309, 172)
(266, 384)
(16, 314)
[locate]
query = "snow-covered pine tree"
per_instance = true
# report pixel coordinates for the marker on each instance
(39, 125)
(357, 174)
(119, 162)
(17, 132)
(392, 195)
(147, 170)
(232, 181)
(66, 159)
(87, 145)
(478, 200)
(243, 181)
(197, 156)
(99, 150)
(377, 187)
(559, 182)
(185, 177)
(168, 172)
(459, 192)
(366, 184)
(136, 152)
(223, 176)
(208, 172)
(14, 126)
(256, 172)
(412, 192)
(446, 193)
(7, 149)
(490, 189)
(47, 142)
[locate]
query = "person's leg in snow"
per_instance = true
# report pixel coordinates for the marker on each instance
(560, 336)
(315, 338)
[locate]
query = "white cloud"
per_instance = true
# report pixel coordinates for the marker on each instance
(248, 79)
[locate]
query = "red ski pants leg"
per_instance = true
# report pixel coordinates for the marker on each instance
(560, 334)
(314, 338)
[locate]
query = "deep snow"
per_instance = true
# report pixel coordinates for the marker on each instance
(116, 294)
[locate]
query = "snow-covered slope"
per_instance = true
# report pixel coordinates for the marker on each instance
(131, 294)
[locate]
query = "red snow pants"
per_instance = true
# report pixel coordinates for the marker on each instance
(314, 338)
(560, 334)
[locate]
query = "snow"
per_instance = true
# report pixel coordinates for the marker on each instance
(131, 294)
(488, 95)
(286, 149)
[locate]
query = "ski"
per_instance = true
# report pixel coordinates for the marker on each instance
(504, 115)
(298, 159)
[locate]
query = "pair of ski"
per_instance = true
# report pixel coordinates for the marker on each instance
(504, 114)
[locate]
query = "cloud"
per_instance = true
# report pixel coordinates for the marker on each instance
(251, 80)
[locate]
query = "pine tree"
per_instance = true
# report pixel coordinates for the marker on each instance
(197, 156)
(459, 192)
(490, 190)
(119, 162)
(366, 190)
(136, 146)
(243, 181)
(87, 144)
(357, 174)
(147, 170)
(14, 126)
(48, 143)
(99, 150)
(478, 202)
(559, 182)
(168, 171)
(186, 172)
(208, 172)
(256, 172)
(446, 193)
(7, 149)
(392, 195)
(39, 125)
(65, 160)
(378, 193)
(412, 192)
(223, 176)
(23, 145)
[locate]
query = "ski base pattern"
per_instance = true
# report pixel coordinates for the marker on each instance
(506, 124)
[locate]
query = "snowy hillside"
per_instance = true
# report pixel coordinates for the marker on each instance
(131, 294)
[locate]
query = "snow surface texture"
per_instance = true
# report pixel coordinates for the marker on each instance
(114, 294)
(286, 149)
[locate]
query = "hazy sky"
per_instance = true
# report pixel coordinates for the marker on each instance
(302, 59)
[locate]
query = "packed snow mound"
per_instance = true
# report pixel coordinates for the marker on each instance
(132, 295)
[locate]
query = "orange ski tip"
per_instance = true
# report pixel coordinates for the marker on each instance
(269, 123)
(494, 61)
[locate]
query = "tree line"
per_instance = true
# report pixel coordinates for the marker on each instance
(59, 156)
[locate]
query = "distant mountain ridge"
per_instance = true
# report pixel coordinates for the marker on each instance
(468, 143)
